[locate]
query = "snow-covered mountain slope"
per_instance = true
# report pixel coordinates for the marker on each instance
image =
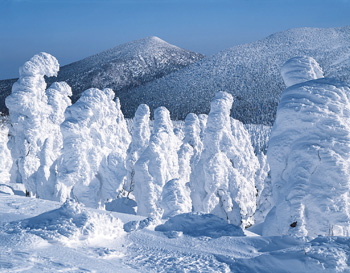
(120, 68)
(43, 236)
(250, 72)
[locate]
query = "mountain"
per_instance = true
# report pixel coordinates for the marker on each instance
(120, 68)
(250, 72)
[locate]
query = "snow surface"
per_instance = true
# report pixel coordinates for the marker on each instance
(27, 246)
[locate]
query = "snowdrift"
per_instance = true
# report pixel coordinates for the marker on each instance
(71, 225)
(198, 224)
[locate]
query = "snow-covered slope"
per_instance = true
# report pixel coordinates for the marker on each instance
(120, 68)
(250, 72)
(43, 236)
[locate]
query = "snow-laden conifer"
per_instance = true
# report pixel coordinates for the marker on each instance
(140, 139)
(58, 101)
(203, 124)
(157, 165)
(309, 155)
(92, 166)
(5, 153)
(219, 184)
(29, 111)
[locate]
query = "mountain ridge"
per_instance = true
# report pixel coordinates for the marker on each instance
(120, 68)
(250, 72)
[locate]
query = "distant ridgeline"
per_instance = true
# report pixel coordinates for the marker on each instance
(156, 73)
(121, 68)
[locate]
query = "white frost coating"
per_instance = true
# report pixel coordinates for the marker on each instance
(58, 100)
(157, 165)
(217, 185)
(300, 69)
(29, 111)
(141, 133)
(192, 137)
(122, 131)
(113, 168)
(175, 198)
(92, 165)
(178, 192)
(203, 118)
(247, 163)
(5, 154)
(264, 201)
(310, 161)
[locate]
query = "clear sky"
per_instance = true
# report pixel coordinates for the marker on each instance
(73, 29)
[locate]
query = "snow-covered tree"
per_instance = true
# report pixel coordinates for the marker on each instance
(157, 165)
(5, 154)
(58, 101)
(29, 111)
(219, 183)
(92, 166)
(203, 124)
(309, 154)
(192, 137)
(140, 138)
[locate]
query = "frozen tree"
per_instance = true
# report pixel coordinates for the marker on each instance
(309, 155)
(157, 165)
(58, 101)
(92, 166)
(218, 184)
(263, 185)
(192, 137)
(113, 167)
(176, 193)
(203, 124)
(5, 154)
(140, 138)
(29, 111)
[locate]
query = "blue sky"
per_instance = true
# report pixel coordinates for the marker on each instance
(73, 29)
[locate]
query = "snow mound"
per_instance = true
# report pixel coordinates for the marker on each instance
(71, 224)
(121, 204)
(138, 225)
(323, 254)
(6, 189)
(300, 69)
(198, 224)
